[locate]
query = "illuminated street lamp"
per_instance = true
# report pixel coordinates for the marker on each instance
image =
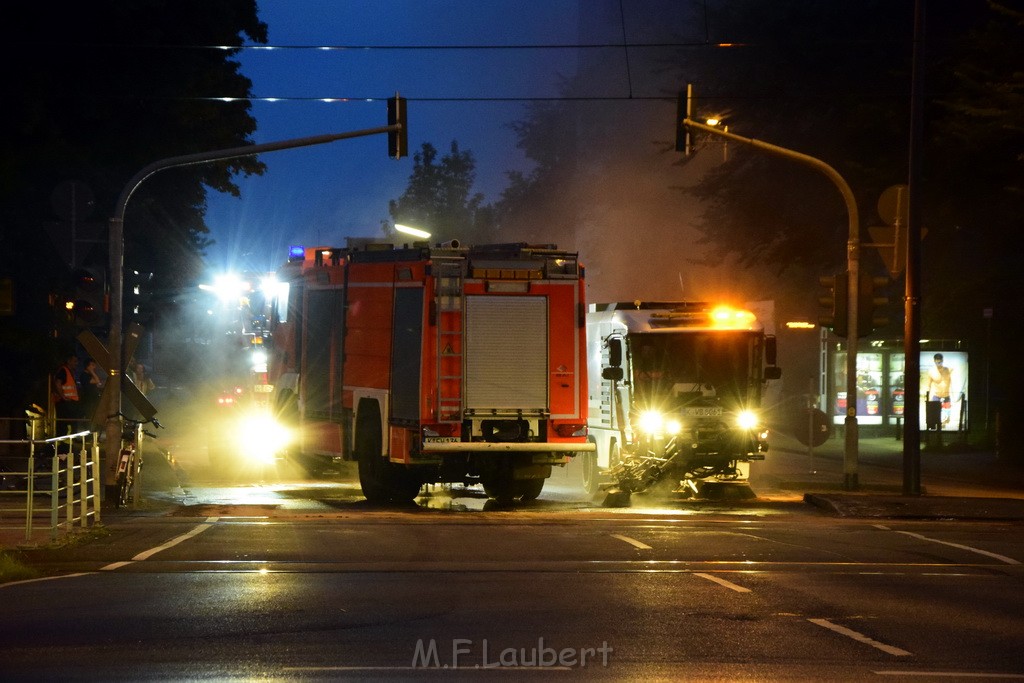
(229, 288)
(415, 232)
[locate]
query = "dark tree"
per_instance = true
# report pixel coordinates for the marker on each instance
(96, 91)
(440, 200)
(832, 80)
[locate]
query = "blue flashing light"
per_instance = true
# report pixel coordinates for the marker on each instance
(296, 253)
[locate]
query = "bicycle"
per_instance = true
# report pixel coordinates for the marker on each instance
(129, 460)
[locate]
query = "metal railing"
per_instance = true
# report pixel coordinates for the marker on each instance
(59, 498)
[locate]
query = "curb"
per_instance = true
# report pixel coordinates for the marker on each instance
(924, 507)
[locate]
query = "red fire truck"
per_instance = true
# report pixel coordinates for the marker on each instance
(428, 364)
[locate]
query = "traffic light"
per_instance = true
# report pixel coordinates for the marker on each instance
(398, 140)
(139, 296)
(871, 304)
(834, 302)
(88, 302)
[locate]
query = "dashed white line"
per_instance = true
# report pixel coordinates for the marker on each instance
(861, 638)
(633, 542)
(722, 582)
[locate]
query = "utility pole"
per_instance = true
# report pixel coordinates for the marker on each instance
(912, 286)
(850, 455)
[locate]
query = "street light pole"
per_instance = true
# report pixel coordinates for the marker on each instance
(850, 456)
(116, 239)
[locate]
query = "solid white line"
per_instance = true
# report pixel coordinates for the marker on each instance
(115, 565)
(146, 554)
(722, 582)
(43, 578)
(996, 556)
(860, 637)
(633, 542)
(948, 674)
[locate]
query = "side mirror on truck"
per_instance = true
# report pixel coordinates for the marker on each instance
(614, 374)
(614, 369)
(771, 349)
(771, 357)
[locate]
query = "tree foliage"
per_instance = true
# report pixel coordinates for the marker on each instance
(100, 90)
(440, 197)
(831, 80)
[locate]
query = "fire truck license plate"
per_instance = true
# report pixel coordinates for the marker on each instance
(703, 412)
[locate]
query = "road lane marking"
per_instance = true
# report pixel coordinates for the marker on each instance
(115, 565)
(43, 578)
(722, 582)
(633, 542)
(995, 556)
(146, 554)
(861, 638)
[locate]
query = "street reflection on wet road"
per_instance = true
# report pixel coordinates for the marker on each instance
(197, 485)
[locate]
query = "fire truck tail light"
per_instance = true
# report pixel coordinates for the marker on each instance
(571, 429)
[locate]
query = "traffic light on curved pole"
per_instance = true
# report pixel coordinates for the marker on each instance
(871, 304)
(139, 296)
(834, 303)
(89, 296)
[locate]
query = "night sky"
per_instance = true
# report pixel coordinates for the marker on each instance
(323, 194)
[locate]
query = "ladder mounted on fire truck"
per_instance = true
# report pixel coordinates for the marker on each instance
(450, 275)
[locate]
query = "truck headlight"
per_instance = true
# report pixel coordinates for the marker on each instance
(261, 438)
(651, 422)
(655, 423)
(747, 419)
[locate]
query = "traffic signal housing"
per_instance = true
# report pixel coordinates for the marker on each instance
(398, 140)
(834, 302)
(89, 296)
(872, 304)
(139, 296)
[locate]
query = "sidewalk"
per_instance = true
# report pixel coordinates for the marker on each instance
(956, 483)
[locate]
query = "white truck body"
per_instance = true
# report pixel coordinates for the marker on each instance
(675, 386)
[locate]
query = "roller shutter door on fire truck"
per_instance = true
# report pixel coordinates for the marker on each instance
(506, 353)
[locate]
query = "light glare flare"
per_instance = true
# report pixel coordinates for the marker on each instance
(747, 419)
(261, 438)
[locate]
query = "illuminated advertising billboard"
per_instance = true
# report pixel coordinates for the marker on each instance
(882, 392)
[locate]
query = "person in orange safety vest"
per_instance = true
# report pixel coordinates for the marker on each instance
(65, 392)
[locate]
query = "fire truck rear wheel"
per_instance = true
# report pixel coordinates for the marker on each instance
(500, 491)
(531, 488)
(380, 480)
(505, 489)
